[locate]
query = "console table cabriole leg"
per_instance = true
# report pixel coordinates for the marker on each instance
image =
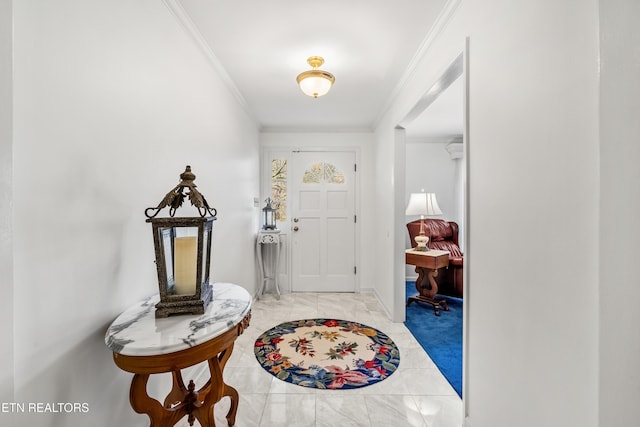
(214, 390)
(142, 403)
(212, 393)
(178, 390)
(183, 400)
(233, 395)
(227, 389)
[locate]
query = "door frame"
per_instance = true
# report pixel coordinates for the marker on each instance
(460, 65)
(267, 154)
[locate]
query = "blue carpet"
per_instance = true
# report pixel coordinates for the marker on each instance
(441, 337)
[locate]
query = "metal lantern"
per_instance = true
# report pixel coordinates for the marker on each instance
(269, 216)
(183, 250)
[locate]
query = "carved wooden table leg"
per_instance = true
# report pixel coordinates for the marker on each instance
(227, 389)
(197, 405)
(142, 403)
(178, 390)
(212, 392)
(233, 395)
(427, 288)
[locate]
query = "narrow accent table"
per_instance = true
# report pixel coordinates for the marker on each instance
(271, 238)
(427, 264)
(144, 345)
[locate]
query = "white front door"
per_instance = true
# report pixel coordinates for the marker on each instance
(323, 222)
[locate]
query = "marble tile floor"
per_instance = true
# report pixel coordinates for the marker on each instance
(415, 395)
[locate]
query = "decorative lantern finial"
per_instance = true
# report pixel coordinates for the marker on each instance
(175, 197)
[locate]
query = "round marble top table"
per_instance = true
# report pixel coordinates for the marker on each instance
(144, 345)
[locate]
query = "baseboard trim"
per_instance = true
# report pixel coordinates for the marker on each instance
(384, 307)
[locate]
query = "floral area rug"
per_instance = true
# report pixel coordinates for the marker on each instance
(327, 353)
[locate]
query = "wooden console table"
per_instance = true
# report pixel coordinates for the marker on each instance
(427, 264)
(144, 345)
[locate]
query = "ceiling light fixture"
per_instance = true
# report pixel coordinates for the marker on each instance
(315, 82)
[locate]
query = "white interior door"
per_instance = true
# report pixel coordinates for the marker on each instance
(323, 222)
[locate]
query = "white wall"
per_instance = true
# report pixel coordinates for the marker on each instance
(362, 142)
(619, 207)
(389, 235)
(533, 141)
(429, 167)
(111, 101)
(6, 196)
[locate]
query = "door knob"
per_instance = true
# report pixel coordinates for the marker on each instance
(296, 228)
(296, 219)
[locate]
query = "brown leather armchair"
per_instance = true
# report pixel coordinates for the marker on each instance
(443, 235)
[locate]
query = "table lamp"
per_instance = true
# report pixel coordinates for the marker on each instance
(423, 204)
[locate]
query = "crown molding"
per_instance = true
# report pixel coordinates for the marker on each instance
(434, 139)
(439, 25)
(455, 149)
(313, 129)
(176, 9)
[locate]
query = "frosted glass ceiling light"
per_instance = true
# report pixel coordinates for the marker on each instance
(315, 82)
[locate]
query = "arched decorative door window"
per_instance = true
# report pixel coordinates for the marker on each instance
(323, 172)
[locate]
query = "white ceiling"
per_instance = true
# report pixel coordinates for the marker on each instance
(263, 45)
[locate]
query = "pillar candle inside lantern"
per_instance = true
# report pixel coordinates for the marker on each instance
(185, 265)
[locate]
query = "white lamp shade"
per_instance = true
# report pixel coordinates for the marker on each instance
(315, 85)
(423, 204)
